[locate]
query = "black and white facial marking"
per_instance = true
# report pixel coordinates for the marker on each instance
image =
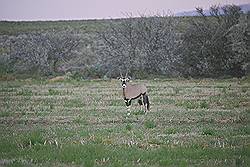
(124, 80)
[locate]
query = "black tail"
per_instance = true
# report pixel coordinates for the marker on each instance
(146, 101)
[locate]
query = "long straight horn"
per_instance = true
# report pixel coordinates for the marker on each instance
(120, 72)
(126, 74)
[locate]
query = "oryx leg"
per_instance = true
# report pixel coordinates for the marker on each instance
(128, 110)
(128, 104)
(140, 102)
(145, 102)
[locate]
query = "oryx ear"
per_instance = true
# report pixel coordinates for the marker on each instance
(128, 78)
(119, 78)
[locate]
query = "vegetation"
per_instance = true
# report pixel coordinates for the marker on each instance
(141, 44)
(84, 123)
(217, 45)
(56, 111)
(156, 45)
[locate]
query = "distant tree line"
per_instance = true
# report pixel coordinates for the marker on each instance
(142, 45)
(208, 46)
(46, 53)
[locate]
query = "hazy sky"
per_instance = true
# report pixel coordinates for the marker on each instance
(89, 9)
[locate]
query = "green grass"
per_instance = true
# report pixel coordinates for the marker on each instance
(204, 104)
(208, 132)
(84, 26)
(12, 28)
(129, 127)
(25, 92)
(85, 123)
(30, 139)
(74, 103)
(80, 120)
(53, 92)
(103, 155)
(150, 124)
(139, 112)
(171, 131)
(5, 114)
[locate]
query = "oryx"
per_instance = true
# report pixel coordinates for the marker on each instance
(134, 91)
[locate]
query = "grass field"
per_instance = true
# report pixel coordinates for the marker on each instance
(84, 123)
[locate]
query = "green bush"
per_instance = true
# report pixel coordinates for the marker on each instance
(89, 72)
(92, 72)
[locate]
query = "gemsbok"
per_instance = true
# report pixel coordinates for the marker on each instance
(134, 91)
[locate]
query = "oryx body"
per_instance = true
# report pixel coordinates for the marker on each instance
(134, 91)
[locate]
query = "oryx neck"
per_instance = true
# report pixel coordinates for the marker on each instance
(123, 92)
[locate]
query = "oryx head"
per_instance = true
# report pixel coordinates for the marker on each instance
(124, 80)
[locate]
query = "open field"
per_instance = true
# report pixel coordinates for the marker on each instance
(84, 123)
